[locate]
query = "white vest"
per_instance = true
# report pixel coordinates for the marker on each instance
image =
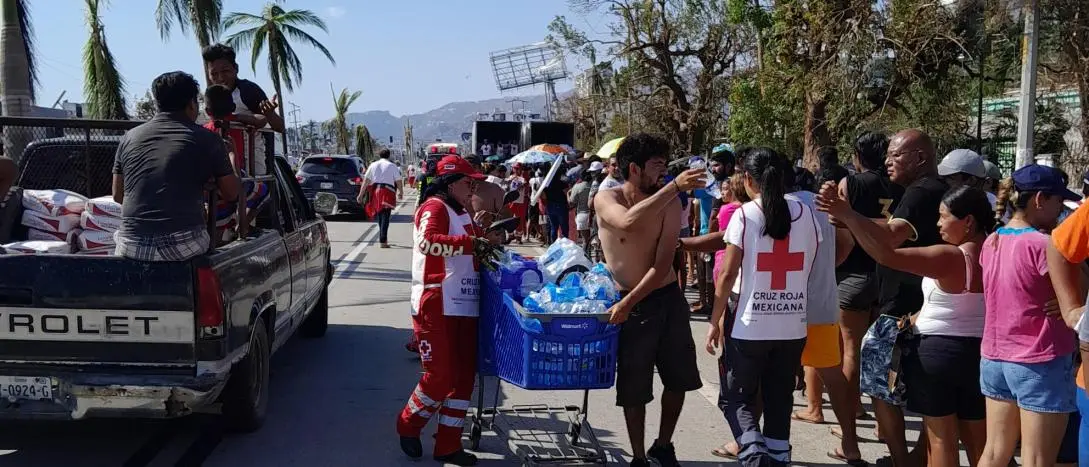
(460, 289)
(774, 275)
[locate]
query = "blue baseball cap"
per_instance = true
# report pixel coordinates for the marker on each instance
(1049, 180)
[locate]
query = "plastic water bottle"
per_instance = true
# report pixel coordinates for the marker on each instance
(708, 177)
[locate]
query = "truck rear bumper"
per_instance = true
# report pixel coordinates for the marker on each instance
(80, 392)
(142, 397)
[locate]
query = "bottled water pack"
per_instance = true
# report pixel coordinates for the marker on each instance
(592, 292)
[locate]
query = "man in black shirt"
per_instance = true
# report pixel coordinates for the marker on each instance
(160, 172)
(874, 196)
(911, 162)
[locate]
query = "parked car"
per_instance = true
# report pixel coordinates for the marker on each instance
(106, 336)
(341, 175)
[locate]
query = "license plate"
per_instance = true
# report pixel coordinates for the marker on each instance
(326, 185)
(26, 388)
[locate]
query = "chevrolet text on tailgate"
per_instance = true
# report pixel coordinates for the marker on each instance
(89, 335)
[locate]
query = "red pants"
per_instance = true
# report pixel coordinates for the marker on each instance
(519, 211)
(448, 353)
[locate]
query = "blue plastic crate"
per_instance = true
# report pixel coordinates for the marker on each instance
(569, 352)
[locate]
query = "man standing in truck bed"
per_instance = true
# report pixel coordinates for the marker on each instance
(160, 172)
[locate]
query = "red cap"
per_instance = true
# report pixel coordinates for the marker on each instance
(456, 165)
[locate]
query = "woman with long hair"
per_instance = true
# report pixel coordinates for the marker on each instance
(771, 242)
(444, 311)
(1027, 371)
(942, 369)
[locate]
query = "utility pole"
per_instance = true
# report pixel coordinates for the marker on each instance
(1027, 116)
(294, 113)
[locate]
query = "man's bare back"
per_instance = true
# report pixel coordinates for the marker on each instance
(630, 253)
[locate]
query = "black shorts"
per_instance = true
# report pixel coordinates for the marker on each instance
(857, 291)
(942, 377)
(657, 333)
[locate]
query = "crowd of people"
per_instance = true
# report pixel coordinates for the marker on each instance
(930, 284)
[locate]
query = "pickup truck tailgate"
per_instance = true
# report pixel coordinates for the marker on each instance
(57, 309)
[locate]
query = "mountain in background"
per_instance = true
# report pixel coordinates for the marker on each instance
(447, 122)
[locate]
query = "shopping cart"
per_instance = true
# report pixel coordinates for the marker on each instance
(542, 352)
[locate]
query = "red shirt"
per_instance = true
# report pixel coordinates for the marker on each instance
(237, 138)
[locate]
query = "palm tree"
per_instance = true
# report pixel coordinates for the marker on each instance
(276, 28)
(202, 16)
(103, 86)
(341, 103)
(18, 73)
(364, 144)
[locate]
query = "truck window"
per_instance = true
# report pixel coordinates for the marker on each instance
(329, 166)
(292, 198)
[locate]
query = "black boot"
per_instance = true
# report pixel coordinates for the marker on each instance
(459, 457)
(412, 447)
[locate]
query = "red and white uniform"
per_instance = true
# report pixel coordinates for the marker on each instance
(445, 302)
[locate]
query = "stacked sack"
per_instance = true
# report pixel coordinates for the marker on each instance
(99, 222)
(52, 218)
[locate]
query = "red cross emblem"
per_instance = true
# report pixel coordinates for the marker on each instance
(425, 350)
(779, 262)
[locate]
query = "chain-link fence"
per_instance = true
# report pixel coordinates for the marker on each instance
(68, 154)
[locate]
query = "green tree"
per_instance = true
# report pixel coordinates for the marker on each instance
(339, 124)
(276, 29)
(103, 86)
(203, 17)
(18, 73)
(364, 143)
(144, 107)
(682, 53)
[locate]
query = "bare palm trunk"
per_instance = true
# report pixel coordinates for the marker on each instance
(277, 88)
(14, 79)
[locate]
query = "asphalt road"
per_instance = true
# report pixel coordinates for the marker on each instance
(334, 401)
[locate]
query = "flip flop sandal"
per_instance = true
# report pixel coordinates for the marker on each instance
(839, 435)
(798, 418)
(722, 452)
(851, 462)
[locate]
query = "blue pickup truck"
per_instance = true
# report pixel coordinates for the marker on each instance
(104, 336)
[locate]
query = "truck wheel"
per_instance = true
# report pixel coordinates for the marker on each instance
(318, 322)
(245, 399)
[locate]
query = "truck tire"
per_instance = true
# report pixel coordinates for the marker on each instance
(318, 322)
(245, 399)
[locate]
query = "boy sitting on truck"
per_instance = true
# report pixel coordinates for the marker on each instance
(220, 107)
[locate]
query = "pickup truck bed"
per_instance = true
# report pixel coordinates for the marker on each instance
(92, 336)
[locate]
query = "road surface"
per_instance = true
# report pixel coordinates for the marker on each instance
(334, 401)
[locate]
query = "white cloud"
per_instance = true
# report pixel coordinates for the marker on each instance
(335, 12)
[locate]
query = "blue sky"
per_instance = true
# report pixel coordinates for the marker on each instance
(407, 56)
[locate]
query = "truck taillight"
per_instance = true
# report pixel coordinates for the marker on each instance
(356, 181)
(210, 310)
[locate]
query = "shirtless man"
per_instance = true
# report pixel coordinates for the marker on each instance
(639, 224)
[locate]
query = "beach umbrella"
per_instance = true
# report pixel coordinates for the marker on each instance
(494, 159)
(532, 156)
(554, 149)
(609, 148)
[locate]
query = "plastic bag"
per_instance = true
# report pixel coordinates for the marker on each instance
(46, 236)
(562, 258)
(100, 223)
(36, 246)
(60, 224)
(95, 239)
(104, 206)
(54, 202)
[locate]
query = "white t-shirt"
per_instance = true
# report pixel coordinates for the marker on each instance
(411, 171)
(823, 303)
(383, 171)
(486, 150)
(610, 183)
(775, 274)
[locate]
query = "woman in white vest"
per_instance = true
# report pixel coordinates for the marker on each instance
(771, 243)
(445, 302)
